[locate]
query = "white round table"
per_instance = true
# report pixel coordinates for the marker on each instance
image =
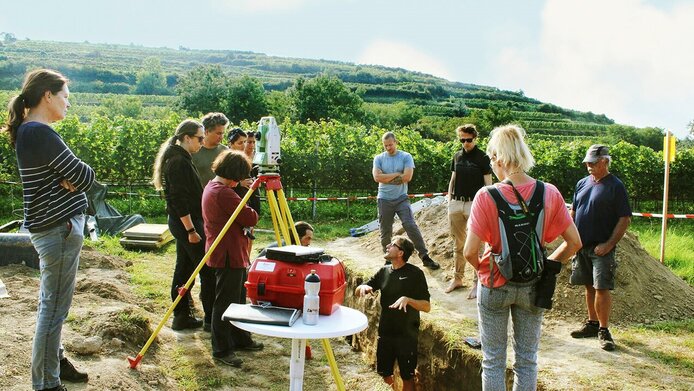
(345, 321)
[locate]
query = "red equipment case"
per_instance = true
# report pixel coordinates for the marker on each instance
(282, 283)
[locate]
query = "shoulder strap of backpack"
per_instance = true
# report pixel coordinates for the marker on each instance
(501, 203)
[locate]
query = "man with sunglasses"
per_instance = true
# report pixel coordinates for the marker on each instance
(602, 214)
(470, 171)
(393, 170)
(214, 125)
(404, 293)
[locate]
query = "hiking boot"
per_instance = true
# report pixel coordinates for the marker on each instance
(430, 263)
(605, 339)
(185, 321)
(68, 372)
(231, 360)
(56, 388)
(253, 347)
(589, 330)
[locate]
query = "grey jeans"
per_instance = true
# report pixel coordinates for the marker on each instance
(59, 255)
(494, 306)
(387, 209)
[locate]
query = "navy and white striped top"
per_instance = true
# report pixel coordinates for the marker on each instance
(44, 161)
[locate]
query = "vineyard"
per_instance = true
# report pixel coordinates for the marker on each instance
(118, 120)
(99, 69)
(337, 155)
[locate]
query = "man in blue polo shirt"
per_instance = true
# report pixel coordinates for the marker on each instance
(393, 170)
(602, 214)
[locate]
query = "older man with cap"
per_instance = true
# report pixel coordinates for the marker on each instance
(602, 214)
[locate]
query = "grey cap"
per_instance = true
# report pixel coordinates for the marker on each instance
(595, 152)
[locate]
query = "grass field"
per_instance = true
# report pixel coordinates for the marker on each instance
(679, 243)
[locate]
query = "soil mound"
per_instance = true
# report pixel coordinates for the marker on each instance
(646, 291)
(102, 288)
(130, 325)
(90, 258)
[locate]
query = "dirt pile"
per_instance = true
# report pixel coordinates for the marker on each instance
(646, 291)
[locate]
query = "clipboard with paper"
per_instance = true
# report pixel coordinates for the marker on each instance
(262, 314)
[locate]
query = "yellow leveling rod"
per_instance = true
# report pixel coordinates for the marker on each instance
(182, 291)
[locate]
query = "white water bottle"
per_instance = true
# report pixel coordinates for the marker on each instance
(311, 299)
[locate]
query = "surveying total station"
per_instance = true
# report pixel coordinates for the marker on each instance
(267, 147)
(268, 159)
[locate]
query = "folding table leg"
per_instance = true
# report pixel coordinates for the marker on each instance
(296, 365)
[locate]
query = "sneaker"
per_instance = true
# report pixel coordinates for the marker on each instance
(231, 360)
(185, 321)
(430, 263)
(253, 347)
(68, 372)
(56, 388)
(605, 339)
(589, 330)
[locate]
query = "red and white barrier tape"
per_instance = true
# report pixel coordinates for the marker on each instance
(660, 215)
(354, 198)
(656, 215)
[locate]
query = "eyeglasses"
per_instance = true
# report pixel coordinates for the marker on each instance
(396, 245)
(467, 140)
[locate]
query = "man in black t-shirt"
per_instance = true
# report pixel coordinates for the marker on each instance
(404, 292)
(470, 171)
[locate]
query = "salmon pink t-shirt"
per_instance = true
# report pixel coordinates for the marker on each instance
(484, 221)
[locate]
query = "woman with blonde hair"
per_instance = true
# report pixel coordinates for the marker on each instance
(175, 173)
(497, 296)
(54, 182)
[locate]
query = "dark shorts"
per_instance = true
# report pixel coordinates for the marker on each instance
(402, 349)
(590, 269)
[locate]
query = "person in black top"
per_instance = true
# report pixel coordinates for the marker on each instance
(470, 171)
(404, 293)
(175, 173)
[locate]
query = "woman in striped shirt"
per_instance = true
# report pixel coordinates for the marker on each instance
(54, 181)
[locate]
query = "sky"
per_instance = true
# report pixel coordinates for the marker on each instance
(632, 60)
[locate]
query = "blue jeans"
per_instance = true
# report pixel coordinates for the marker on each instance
(387, 209)
(494, 306)
(59, 255)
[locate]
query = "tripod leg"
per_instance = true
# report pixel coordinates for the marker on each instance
(333, 364)
(274, 211)
(285, 207)
(272, 200)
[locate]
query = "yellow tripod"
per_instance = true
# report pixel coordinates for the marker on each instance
(283, 226)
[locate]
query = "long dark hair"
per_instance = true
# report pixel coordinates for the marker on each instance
(36, 83)
(188, 127)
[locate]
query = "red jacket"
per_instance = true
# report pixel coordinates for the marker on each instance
(218, 204)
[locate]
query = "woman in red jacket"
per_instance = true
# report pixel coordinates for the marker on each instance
(230, 258)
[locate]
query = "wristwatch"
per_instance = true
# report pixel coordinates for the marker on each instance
(192, 230)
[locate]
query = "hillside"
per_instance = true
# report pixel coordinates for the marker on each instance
(106, 68)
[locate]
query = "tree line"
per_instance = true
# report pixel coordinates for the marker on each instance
(333, 154)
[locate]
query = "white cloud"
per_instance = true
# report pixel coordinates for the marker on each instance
(401, 55)
(625, 58)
